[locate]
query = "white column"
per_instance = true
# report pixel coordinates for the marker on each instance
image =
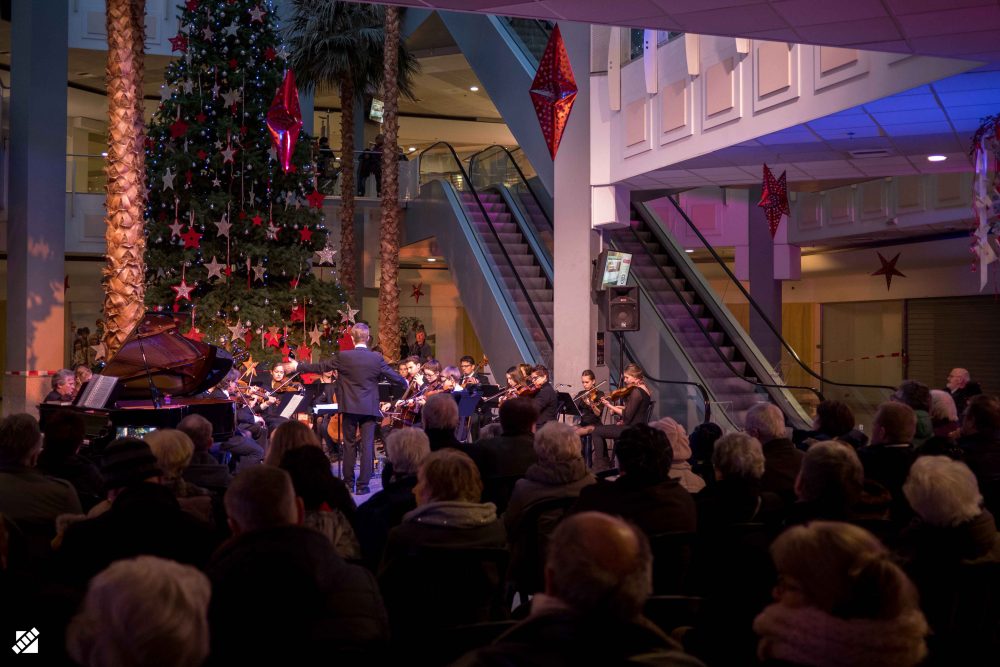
(36, 228)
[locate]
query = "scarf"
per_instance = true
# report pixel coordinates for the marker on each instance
(808, 636)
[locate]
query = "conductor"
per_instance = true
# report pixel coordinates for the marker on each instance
(360, 371)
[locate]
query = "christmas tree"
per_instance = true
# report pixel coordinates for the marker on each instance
(232, 239)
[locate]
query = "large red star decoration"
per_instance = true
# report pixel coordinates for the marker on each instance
(257, 220)
(178, 129)
(178, 43)
(284, 121)
(306, 234)
(191, 238)
(273, 339)
(553, 91)
(774, 199)
(417, 292)
(315, 199)
(285, 352)
(303, 352)
(889, 269)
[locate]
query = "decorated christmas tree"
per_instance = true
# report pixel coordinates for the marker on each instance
(236, 245)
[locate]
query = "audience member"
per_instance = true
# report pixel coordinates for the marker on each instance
(142, 611)
(829, 485)
(328, 504)
(287, 436)
(60, 457)
(736, 496)
(82, 374)
(702, 441)
(204, 469)
(980, 444)
(598, 577)
(439, 417)
(834, 421)
(644, 493)
(840, 600)
(962, 388)
(944, 414)
(917, 395)
(504, 460)
(405, 449)
(63, 387)
(173, 451)
(680, 467)
(782, 460)
(278, 572)
(888, 458)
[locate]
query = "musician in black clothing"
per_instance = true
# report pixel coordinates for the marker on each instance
(546, 400)
(470, 378)
(590, 402)
(324, 392)
(635, 401)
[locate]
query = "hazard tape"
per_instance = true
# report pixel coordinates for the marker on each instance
(31, 374)
(891, 355)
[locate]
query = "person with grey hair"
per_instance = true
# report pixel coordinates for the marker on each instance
(405, 449)
(439, 417)
(63, 387)
(314, 602)
(765, 422)
(944, 414)
(204, 469)
(738, 460)
(598, 576)
(142, 611)
(961, 387)
(829, 485)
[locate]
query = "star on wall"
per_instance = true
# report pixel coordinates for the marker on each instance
(888, 269)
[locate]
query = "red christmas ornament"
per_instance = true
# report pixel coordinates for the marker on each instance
(417, 292)
(200, 117)
(285, 352)
(298, 313)
(178, 129)
(315, 199)
(284, 121)
(188, 175)
(269, 54)
(248, 337)
(553, 91)
(178, 43)
(191, 5)
(202, 154)
(191, 238)
(774, 199)
(303, 352)
(888, 269)
(194, 334)
(272, 339)
(233, 63)
(345, 342)
(257, 220)
(305, 234)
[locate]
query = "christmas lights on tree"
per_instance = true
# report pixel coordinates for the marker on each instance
(235, 243)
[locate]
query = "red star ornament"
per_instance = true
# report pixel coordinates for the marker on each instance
(257, 220)
(233, 63)
(305, 234)
(888, 269)
(191, 5)
(269, 54)
(774, 199)
(178, 43)
(191, 238)
(178, 129)
(417, 292)
(303, 352)
(315, 199)
(272, 339)
(183, 291)
(200, 117)
(194, 334)
(285, 352)
(202, 155)
(298, 313)
(553, 91)
(248, 337)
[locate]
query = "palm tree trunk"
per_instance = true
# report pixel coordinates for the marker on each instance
(388, 295)
(348, 260)
(125, 272)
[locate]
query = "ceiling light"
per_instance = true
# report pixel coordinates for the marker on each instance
(937, 158)
(688, 250)
(412, 148)
(431, 259)
(474, 89)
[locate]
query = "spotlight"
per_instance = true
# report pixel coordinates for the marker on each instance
(474, 89)
(937, 158)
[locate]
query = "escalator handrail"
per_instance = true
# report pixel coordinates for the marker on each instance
(544, 27)
(489, 223)
(699, 386)
(753, 303)
(520, 174)
(718, 350)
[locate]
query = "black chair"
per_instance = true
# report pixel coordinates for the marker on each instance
(673, 555)
(528, 541)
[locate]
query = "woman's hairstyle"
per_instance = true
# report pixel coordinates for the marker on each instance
(738, 456)
(557, 442)
(449, 474)
(289, 435)
(842, 570)
(589, 374)
(142, 611)
(515, 374)
(635, 371)
(831, 472)
(451, 373)
(432, 365)
(834, 418)
(644, 454)
(943, 406)
(942, 492)
(406, 448)
(173, 450)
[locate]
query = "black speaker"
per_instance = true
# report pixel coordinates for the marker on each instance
(623, 308)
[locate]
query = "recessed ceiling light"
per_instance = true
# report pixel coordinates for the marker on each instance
(689, 250)
(431, 259)
(937, 158)
(474, 89)
(412, 148)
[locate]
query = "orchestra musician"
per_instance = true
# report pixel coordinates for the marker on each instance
(633, 404)
(248, 443)
(324, 392)
(470, 377)
(545, 398)
(269, 406)
(590, 401)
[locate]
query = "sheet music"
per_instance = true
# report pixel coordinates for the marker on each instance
(98, 391)
(292, 406)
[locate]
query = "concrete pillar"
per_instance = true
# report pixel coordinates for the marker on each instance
(575, 317)
(36, 227)
(765, 287)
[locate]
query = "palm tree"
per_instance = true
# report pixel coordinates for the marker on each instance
(388, 295)
(124, 275)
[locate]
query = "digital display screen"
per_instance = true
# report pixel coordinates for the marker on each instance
(377, 111)
(616, 268)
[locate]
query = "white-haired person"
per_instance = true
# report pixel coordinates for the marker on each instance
(680, 467)
(766, 422)
(840, 600)
(173, 450)
(944, 414)
(142, 611)
(738, 461)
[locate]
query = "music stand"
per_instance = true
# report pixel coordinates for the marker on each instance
(488, 390)
(566, 405)
(386, 393)
(467, 403)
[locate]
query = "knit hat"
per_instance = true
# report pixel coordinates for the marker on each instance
(128, 461)
(676, 435)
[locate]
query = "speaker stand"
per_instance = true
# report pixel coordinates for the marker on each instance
(621, 358)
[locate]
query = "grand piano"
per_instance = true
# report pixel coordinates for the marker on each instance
(153, 381)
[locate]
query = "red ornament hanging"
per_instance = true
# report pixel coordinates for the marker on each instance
(417, 292)
(774, 199)
(284, 121)
(303, 353)
(553, 91)
(315, 199)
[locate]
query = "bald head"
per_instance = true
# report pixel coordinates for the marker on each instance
(599, 565)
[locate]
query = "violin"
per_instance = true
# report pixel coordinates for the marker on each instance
(590, 396)
(622, 392)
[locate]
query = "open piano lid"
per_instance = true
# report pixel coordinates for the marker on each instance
(177, 365)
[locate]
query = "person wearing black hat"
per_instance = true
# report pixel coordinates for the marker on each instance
(144, 518)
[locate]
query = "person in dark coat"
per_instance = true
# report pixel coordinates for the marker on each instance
(504, 459)
(546, 400)
(980, 445)
(782, 460)
(736, 497)
(888, 458)
(204, 469)
(310, 602)
(962, 388)
(64, 434)
(360, 371)
(644, 493)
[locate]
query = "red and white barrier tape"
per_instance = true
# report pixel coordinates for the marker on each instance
(892, 355)
(32, 374)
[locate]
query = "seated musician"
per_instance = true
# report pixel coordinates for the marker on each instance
(470, 378)
(546, 400)
(451, 379)
(590, 402)
(63, 387)
(324, 392)
(279, 384)
(246, 445)
(414, 375)
(634, 400)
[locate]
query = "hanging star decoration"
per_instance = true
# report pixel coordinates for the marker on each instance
(349, 315)
(314, 335)
(272, 232)
(214, 269)
(888, 269)
(237, 330)
(178, 43)
(183, 291)
(553, 91)
(285, 352)
(168, 179)
(303, 352)
(325, 256)
(175, 228)
(305, 234)
(417, 292)
(166, 92)
(224, 225)
(251, 366)
(774, 199)
(228, 154)
(216, 182)
(232, 97)
(272, 338)
(257, 220)
(315, 199)
(192, 239)
(231, 29)
(188, 86)
(194, 334)
(257, 14)
(178, 129)
(100, 351)
(207, 33)
(283, 52)
(258, 271)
